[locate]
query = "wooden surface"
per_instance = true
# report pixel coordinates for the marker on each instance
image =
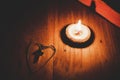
(43, 23)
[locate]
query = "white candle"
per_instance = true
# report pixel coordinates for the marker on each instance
(78, 32)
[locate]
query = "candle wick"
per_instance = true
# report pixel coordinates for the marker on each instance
(78, 33)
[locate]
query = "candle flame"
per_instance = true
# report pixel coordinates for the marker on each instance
(78, 28)
(79, 22)
(79, 25)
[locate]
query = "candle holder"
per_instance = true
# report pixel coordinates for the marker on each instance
(75, 38)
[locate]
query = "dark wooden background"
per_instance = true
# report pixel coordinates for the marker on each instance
(42, 21)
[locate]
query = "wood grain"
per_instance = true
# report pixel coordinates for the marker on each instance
(98, 61)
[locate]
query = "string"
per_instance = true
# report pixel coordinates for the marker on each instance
(41, 47)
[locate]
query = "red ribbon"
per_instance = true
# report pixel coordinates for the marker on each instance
(103, 9)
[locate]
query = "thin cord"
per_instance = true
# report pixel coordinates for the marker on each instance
(41, 47)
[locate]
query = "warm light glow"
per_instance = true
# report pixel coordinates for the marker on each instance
(78, 32)
(79, 23)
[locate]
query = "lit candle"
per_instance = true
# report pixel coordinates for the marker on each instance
(78, 32)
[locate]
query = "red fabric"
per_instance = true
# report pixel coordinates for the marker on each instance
(86, 2)
(104, 10)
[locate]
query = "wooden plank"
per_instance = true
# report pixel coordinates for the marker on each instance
(98, 61)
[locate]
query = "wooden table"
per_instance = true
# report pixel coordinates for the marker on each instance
(43, 23)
